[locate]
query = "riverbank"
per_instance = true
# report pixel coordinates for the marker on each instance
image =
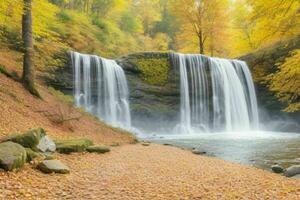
(148, 172)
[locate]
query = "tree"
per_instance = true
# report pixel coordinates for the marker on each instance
(168, 23)
(148, 12)
(128, 22)
(286, 83)
(205, 19)
(28, 67)
(260, 23)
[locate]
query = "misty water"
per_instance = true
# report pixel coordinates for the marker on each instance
(218, 109)
(260, 149)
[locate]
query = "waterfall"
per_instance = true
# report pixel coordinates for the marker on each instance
(100, 86)
(216, 94)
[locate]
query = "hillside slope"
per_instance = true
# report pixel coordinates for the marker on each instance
(21, 111)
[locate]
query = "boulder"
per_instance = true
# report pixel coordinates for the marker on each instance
(277, 169)
(292, 171)
(53, 166)
(198, 152)
(12, 156)
(146, 144)
(46, 144)
(98, 149)
(74, 145)
(297, 176)
(36, 139)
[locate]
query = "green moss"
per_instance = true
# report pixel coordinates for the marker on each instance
(31, 154)
(29, 139)
(12, 156)
(154, 71)
(74, 145)
(98, 149)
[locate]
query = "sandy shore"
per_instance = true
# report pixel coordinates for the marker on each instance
(148, 172)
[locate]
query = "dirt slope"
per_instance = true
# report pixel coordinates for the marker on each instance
(20, 111)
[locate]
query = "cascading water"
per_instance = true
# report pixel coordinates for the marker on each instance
(216, 94)
(100, 86)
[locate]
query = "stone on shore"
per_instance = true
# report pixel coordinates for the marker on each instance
(36, 139)
(12, 156)
(292, 171)
(74, 145)
(296, 177)
(46, 144)
(97, 149)
(198, 152)
(277, 169)
(53, 166)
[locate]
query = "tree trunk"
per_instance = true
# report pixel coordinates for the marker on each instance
(201, 43)
(28, 67)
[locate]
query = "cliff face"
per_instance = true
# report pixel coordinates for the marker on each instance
(154, 84)
(154, 88)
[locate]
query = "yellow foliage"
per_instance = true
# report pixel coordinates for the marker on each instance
(10, 12)
(260, 23)
(286, 82)
(204, 22)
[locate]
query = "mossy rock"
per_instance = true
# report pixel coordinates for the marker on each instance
(32, 154)
(73, 145)
(154, 71)
(30, 139)
(98, 149)
(53, 166)
(12, 156)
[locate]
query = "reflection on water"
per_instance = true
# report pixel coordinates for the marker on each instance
(259, 149)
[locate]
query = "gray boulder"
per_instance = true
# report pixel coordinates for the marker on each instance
(277, 169)
(297, 176)
(46, 144)
(53, 166)
(12, 156)
(292, 171)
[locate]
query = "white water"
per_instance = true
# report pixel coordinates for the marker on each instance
(101, 88)
(216, 95)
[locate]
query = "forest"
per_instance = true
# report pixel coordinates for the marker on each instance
(112, 28)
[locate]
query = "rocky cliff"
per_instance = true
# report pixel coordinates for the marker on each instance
(154, 88)
(154, 83)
